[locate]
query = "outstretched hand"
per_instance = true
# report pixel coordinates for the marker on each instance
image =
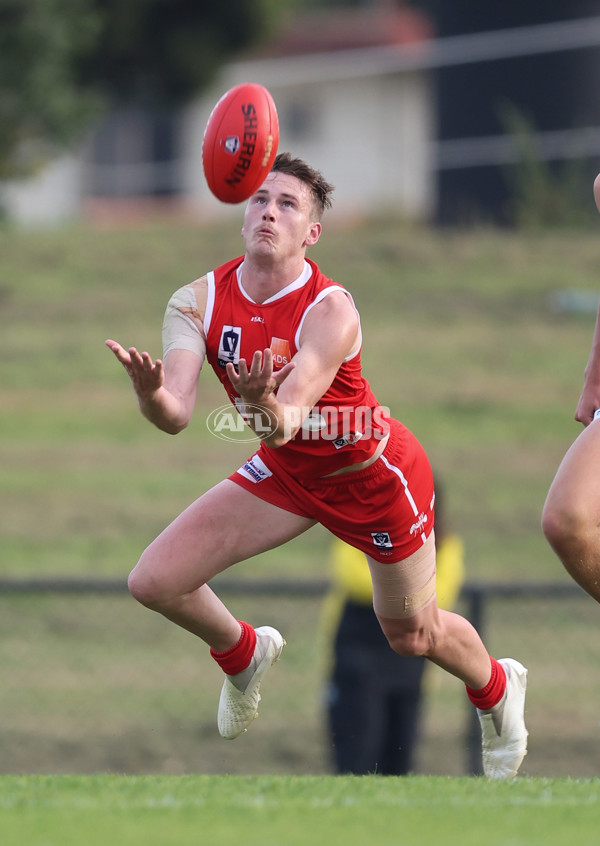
(146, 376)
(259, 382)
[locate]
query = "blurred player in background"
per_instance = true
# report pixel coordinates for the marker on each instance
(571, 515)
(285, 342)
(373, 695)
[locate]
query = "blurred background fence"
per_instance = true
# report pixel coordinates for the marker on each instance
(93, 682)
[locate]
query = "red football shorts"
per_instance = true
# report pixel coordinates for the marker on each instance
(386, 510)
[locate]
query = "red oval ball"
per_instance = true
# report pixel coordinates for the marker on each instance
(240, 142)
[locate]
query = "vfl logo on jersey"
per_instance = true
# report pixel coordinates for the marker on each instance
(281, 351)
(381, 540)
(255, 469)
(229, 346)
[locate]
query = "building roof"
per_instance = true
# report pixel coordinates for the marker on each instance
(385, 24)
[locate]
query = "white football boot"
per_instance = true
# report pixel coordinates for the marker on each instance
(504, 736)
(240, 693)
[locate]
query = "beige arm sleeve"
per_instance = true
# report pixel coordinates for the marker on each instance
(182, 324)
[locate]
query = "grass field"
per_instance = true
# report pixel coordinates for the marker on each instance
(293, 811)
(463, 341)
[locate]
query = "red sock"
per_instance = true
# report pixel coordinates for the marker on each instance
(237, 658)
(493, 692)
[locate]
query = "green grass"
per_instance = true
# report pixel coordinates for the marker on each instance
(293, 811)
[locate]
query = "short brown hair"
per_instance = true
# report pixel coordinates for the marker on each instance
(320, 189)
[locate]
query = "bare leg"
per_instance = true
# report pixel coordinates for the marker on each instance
(445, 638)
(224, 526)
(571, 515)
(405, 603)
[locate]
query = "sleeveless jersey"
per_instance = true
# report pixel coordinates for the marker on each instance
(347, 423)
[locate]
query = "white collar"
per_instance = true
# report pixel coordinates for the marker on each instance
(293, 286)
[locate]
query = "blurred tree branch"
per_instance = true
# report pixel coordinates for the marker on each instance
(42, 103)
(63, 61)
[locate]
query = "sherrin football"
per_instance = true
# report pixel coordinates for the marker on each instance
(240, 142)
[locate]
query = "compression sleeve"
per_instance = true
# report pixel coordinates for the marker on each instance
(181, 324)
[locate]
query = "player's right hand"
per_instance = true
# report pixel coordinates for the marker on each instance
(146, 376)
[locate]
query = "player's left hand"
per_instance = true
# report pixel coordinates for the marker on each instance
(256, 384)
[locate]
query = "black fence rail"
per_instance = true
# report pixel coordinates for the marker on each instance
(476, 594)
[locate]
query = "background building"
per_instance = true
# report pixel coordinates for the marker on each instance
(539, 60)
(404, 108)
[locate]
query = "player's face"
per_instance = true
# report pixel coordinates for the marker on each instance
(279, 219)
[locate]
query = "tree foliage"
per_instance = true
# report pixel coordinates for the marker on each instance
(163, 51)
(42, 102)
(62, 60)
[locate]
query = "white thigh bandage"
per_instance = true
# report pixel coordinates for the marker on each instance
(406, 587)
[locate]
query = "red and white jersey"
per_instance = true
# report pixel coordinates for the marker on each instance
(347, 424)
